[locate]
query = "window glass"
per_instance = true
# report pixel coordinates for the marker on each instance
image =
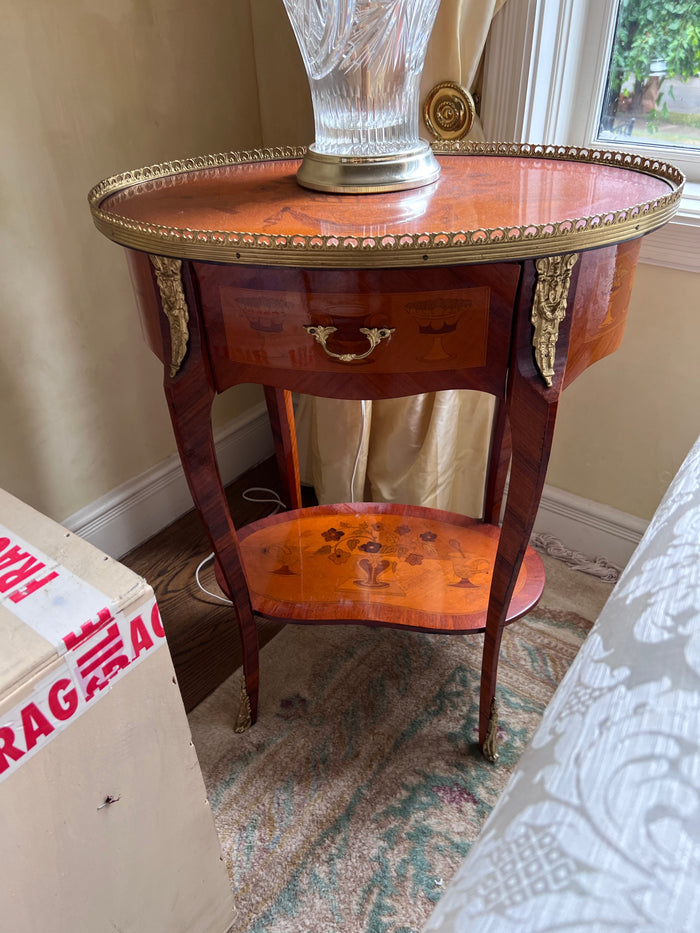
(652, 92)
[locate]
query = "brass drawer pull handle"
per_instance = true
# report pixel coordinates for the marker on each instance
(375, 335)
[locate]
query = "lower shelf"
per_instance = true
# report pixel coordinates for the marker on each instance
(373, 563)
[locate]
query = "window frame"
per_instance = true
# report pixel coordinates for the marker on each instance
(539, 53)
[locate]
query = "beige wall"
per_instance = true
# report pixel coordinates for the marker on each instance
(285, 101)
(91, 87)
(626, 424)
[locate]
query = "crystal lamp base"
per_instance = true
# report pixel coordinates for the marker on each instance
(366, 174)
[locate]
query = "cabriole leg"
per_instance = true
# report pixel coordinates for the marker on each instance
(538, 365)
(190, 392)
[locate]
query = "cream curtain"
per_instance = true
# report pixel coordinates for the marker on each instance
(429, 449)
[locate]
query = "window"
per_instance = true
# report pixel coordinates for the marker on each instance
(651, 95)
(546, 79)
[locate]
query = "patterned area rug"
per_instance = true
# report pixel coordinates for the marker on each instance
(350, 804)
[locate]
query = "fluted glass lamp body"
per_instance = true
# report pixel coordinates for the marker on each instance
(364, 60)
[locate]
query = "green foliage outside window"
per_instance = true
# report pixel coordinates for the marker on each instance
(655, 41)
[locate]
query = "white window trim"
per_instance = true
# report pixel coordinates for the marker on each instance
(539, 54)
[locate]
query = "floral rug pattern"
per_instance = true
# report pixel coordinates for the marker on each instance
(352, 801)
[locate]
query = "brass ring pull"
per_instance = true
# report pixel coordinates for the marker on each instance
(375, 335)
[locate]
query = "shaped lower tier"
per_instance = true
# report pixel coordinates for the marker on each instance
(373, 563)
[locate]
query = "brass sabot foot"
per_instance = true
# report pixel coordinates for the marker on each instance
(244, 720)
(490, 747)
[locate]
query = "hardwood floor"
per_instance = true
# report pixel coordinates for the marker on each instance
(202, 633)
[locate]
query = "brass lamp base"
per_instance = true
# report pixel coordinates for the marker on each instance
(368, 174)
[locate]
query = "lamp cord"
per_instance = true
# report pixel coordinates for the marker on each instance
(271, 497)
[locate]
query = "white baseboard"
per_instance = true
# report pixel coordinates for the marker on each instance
(589, 527)
(139, 508)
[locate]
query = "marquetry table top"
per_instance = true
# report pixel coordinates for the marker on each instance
(491, 202)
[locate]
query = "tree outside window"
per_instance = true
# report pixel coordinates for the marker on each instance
(653, 86)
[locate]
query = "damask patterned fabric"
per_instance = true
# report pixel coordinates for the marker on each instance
(599, 827)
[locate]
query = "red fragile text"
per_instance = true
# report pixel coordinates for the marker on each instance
(21, 572)
(51, 708)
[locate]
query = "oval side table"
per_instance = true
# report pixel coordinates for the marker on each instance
(511, 274)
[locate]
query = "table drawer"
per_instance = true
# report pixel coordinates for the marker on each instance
(321, 323)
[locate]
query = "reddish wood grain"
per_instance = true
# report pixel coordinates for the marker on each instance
(532, 409)
(190, 394)
(451, 327)
(396, 565)
(281, 412)
(473, 192)
(606, 277)
(499, 462)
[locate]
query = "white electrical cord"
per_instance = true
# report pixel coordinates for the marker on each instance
(272, 497)
(216, 596)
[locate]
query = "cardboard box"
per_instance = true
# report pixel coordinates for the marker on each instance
(105, 822)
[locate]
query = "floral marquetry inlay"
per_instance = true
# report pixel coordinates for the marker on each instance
(378, 562)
